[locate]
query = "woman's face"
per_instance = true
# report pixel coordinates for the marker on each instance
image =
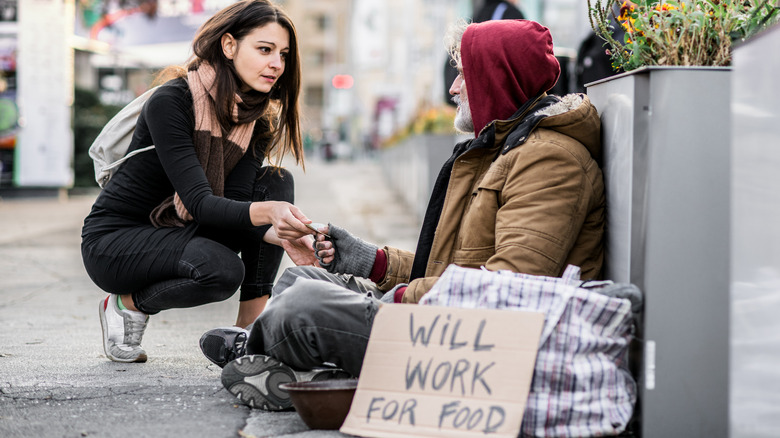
(259, 58)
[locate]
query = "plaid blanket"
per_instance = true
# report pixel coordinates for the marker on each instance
(581, 384)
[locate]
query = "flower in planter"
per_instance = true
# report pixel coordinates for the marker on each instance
(438, 120)
(698, 32)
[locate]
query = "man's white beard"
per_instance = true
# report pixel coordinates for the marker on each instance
(463, 121)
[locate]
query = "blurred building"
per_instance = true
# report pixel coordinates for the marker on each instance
(9, 113)
(370, 67)
(323, 28)
(120, 45)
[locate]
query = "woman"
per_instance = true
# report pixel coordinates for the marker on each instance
(166, 230)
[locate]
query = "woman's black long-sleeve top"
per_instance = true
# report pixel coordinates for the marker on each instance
(147, 179)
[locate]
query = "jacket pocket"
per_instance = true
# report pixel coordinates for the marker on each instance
(473, 257)
(479, 221)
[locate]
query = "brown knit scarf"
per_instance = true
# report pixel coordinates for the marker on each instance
(216, 154)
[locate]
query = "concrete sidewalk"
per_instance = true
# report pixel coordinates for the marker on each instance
(54, 378)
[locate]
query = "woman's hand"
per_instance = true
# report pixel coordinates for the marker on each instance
(301, 251)
(287, 220)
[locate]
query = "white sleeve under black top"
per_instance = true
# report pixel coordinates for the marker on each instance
(145, 180)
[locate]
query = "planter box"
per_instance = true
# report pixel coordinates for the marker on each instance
(666, 167)
(411, 167)
(755, 261)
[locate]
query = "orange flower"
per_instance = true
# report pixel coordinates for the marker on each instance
(625, 16)
(625, 8)
(665, 7)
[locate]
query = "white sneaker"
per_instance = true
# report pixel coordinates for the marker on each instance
(122, 331)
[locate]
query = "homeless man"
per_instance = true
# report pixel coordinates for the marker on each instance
(525, 194)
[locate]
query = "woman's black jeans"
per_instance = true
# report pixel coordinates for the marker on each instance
(210, 268)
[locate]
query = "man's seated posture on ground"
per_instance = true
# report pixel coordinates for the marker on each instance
(525, 195)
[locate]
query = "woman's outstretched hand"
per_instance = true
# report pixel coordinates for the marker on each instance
(288, 221)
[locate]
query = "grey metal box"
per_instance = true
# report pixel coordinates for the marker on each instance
(666, 166)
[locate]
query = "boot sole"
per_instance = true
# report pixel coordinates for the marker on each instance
(255, 380)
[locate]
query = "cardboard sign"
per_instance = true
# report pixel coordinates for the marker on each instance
(443, 371)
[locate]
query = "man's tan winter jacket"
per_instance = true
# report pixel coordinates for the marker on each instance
(533, 209)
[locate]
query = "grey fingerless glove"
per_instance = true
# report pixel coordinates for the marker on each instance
(353, 255)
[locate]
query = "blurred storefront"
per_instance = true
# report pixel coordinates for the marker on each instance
(9, 113)
(36, 77)
(121, 44)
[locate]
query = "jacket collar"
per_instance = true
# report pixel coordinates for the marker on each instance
(515, 130)
(527, 122)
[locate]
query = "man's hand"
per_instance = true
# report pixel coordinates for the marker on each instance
(344, 253)
(324, 250)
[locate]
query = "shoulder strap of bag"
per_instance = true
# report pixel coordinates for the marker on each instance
(109, 149)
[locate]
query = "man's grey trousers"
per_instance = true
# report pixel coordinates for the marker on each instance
(315, 318)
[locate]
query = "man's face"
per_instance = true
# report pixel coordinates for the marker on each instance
(463, 121)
